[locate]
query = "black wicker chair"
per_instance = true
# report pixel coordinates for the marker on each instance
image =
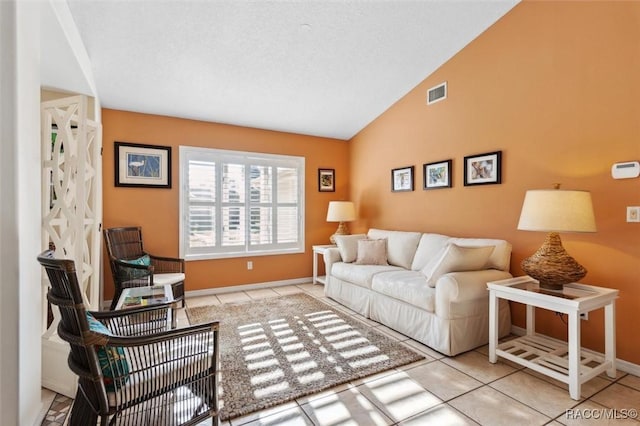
(134, 371)
(124, 246)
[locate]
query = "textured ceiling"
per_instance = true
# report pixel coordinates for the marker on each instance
(325, 68)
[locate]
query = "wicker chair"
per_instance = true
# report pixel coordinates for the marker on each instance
(136, 371)
(124, 246)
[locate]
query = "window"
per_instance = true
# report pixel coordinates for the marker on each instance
(236, 203)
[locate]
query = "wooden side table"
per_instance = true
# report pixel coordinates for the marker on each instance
(318, 251)
(566, 362)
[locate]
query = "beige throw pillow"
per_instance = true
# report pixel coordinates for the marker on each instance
(372, 252)
(348, 246)
(455, 258)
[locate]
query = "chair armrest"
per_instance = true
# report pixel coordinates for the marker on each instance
(166, 264)
(135, 321)
(331, 256)
(460, 288)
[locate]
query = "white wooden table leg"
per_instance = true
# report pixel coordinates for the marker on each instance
(610, 337)
(531, 320)
(493, 326)
(315, 267)
(574, 355)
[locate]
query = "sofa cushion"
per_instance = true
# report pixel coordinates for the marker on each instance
(348, 246)
(360, 275)
(372, 252)
(429, 247)
(501, 256)
(455, 258)
(401, 245)
(408, 286)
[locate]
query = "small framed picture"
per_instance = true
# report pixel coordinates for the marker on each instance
(402, 179)
(437, 175)
(326, 180)
(483, 169)
(138, 165)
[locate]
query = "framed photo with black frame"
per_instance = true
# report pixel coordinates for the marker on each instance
(483, 169)
(326, 180)
(402, 179)
(436, 175)
(138, 165)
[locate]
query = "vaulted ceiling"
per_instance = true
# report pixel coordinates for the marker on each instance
(324, 68)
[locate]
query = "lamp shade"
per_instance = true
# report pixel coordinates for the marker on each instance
(341, 211)
(557, 210)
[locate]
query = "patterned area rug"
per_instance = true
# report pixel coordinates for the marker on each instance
(276, 350)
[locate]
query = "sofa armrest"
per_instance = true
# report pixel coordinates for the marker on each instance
(331, 256)
(463, 289)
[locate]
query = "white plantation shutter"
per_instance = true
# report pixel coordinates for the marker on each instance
(240, 204)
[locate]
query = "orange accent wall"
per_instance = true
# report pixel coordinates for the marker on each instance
(556, 87)
(156, 210)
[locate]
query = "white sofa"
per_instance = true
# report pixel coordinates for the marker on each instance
(426, 291)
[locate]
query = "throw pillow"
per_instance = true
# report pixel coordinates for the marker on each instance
(348, 246)
(455, 258)
(110, 358)
(144, 261)
(372, 252)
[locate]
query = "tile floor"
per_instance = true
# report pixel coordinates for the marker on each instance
(461, 390)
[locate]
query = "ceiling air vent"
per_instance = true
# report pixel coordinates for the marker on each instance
(437, 93)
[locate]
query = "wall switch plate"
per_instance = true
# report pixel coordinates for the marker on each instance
(249, 265)
(633, 214)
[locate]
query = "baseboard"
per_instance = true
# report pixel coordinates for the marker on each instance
(622, 365)
(234, 288)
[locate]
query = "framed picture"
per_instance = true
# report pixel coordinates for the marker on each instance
(326, 180)
(437, 175)
(483, 169)
(138, 165)
(402, 179)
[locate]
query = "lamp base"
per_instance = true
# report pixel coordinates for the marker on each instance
(342, 230)
(552, 266)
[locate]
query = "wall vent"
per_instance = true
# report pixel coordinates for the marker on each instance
(437, 93)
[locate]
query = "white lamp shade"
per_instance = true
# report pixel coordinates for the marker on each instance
(341, 211)
(557, 210)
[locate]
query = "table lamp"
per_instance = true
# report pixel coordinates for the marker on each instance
(341, 211)
(554, 211)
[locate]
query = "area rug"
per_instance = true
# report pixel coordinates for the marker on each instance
(279, 349)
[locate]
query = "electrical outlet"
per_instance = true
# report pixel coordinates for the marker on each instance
(584, 316)
(633, 214)
(249, 265)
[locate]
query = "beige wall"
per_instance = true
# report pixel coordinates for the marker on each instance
(156, 210)
(555, 86)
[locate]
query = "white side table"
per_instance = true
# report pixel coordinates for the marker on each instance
(566, 362)
(318, 251)
(151, 296)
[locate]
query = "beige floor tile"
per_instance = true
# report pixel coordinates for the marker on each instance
(316, 290)
(239, 296)
(478, 366)
(391, 333)
(192, 302)
(287, 289)
(424, 349)
(587, 389)
(536, 393)
(292, 417)
(590, 413)
(618, 396)
(242, 420)
(398, 396)
(348, 407)
(443, 381)
(329, 392)
(263, 293)
(441, 415)
(631, 381)
(487, 406)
